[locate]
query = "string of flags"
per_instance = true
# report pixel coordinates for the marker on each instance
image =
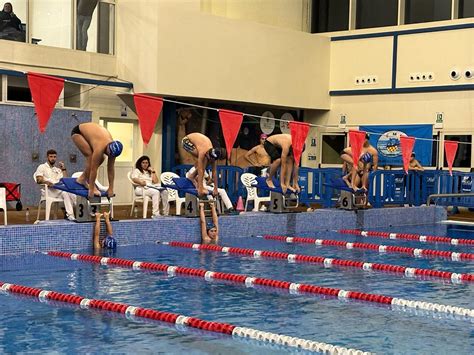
(45, 91)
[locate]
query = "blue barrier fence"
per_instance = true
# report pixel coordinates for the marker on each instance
(386, 187)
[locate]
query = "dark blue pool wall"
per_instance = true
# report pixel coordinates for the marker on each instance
(63, 235)
(21, 138)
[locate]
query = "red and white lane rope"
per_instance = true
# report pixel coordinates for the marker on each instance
(294, 288)
(409, 236)
(328, 262)
(415, 252)
(216, 327)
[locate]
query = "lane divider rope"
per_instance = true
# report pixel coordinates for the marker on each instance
(293, 288)
(327, 262)
(415, 252)
(215, 327)
(409, 236)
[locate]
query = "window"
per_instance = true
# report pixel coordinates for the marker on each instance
(72, 95)
(329, 15)
(427, 10)
(123, 132)
(376, 13)
(463, 155)
(18, 89)
(95, 26)
(434, 152)
(51, 22)
(332, 146)
(466, 8)
(15, 29)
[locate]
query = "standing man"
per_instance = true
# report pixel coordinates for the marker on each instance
(49, 174)
(94, 141)
(85, 9)
(258, 157)
(200, 146)
(279, 148)
(414, 164)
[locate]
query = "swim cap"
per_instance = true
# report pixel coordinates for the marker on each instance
(413, 154)
(366, 158)
(263, 136)
(215, 153)
(115, 148)
(110, 242)
(210, 226)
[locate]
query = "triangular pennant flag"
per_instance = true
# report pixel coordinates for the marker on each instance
(45, 91)
(406, 143)
(148, 111)
(450, 148)
(230, 122)
(299, 132)
(356, 141)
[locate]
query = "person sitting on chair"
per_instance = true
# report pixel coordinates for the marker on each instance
(10, 25)
(107, 242)
(94, 141)
(209, 231)
(49, 174)
(144, 175)
(200, 146)
(208, 185)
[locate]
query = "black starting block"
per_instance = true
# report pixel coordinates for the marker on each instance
(191, 205)
(85, 209)
(282, 203)
(352, 200)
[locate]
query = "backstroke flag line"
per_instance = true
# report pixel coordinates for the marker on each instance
(406, 143)
(450, 148)
(148, 111)
(45, 91)
(230, 122)
(356, 141)
(299, 132)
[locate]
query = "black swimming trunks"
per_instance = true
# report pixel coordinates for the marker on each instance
(273, 151)
(76, 130)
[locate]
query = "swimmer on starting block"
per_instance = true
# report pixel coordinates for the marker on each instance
(94, 141)
(200, 147)
(209, 231)
(279, 148)
(108, 242)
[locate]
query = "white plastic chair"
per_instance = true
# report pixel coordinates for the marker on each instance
(3, 204)
(167, 179)
(101, 187)
(248, 180)
(48, 200)
(138, 198)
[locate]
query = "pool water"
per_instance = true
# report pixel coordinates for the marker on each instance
(29, 325)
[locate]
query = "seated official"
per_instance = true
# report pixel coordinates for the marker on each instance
(209, 186)
(49, 174)
(10, 25)
(144, 175)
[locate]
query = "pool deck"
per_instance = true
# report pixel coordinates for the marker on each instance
(64, 235)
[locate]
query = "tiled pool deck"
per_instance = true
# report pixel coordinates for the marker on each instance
(63, 235)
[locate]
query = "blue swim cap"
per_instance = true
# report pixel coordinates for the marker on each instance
(210, 226)
(110, 242)
(366, 158)
(115, 148)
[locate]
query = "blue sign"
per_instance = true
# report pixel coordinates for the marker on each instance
(387, 141)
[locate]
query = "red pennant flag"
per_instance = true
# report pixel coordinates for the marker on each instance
(148, 112)
(356, 141)
(406, 143)
(230, 122)
(299, 132)
(450, 148)
(45, 91)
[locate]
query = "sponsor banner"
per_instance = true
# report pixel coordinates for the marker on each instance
(386, 138)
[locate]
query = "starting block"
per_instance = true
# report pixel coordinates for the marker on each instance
(191, 198)
(352, 200)
(85, 207)
(279, 202)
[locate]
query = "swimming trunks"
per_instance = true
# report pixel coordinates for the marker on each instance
(76, 130)
(273, 151)
(188, 145)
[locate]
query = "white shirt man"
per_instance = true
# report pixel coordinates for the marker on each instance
(49, 174)
(192, 175)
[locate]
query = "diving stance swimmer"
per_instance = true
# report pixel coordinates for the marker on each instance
(209, 231)
(94, 141)
(279, 148)
(109, 242)
(201, 147)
